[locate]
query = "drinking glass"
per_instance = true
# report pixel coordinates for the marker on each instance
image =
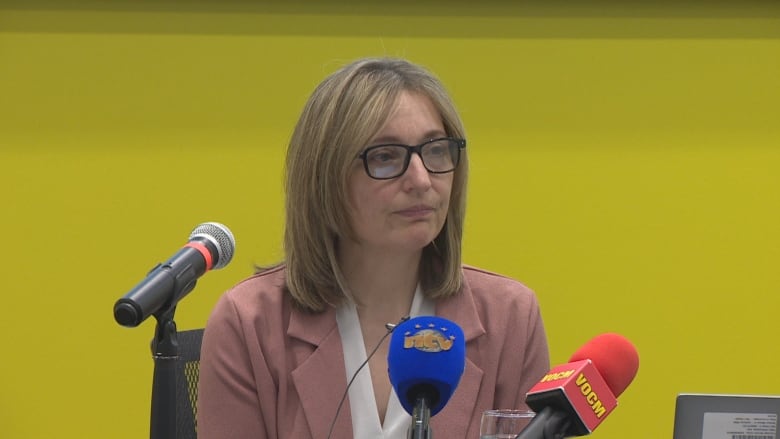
(504, 423)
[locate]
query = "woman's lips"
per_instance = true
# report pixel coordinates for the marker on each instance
(418, 211)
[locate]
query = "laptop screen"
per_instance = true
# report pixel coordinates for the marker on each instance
(709, 416)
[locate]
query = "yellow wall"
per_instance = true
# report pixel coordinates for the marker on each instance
(625, 165)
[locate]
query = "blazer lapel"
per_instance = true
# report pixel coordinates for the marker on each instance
(459, 411)
(319, 379)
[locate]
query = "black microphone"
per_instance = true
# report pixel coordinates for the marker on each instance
(211, 246)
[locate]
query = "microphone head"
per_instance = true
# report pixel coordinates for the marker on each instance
(426, 358)
(615, 358)
(219, 235)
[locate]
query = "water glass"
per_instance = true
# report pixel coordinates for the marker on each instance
(504, 423)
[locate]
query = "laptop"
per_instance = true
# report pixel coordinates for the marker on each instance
(711, 416)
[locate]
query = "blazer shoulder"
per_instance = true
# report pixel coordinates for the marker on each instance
(260, 292)
(496, 294)
(481, 280)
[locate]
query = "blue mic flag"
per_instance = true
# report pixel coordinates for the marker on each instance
(426, 358)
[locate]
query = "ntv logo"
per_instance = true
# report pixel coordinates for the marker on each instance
(430, 339)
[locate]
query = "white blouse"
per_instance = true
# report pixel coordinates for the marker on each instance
(362, 402)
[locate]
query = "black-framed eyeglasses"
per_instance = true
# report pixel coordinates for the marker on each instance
(386, 161)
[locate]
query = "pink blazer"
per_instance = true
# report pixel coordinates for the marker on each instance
(269, 370)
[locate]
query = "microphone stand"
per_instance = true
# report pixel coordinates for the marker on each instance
(165, 352)
(421, 418)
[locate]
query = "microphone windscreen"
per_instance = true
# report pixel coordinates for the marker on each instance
(221, 237)
(615, 358)
(427, 357)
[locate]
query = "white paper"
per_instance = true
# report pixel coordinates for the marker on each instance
(740, 426)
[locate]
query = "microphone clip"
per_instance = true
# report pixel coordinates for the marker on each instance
(391, 326)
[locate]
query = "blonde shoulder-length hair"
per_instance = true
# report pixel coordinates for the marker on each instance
(342, 115)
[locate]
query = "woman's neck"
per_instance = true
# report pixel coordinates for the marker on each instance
(381, 283)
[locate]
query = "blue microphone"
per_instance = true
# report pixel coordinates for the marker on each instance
(426, 358)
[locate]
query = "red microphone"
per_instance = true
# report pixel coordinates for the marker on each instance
(574, 398)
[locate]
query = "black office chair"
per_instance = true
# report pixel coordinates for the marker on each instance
(187, 368)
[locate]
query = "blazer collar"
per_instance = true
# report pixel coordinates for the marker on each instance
(319, 379)
(461, 309)
(454, 420)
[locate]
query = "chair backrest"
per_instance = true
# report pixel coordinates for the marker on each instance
(187, 368)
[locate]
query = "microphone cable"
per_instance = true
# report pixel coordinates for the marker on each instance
(390, 328)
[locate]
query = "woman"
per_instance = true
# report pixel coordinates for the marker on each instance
(376, 191)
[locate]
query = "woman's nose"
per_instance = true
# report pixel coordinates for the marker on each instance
(416, 176)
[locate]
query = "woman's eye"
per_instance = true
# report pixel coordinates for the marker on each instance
(383, 155)
(437, 150)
